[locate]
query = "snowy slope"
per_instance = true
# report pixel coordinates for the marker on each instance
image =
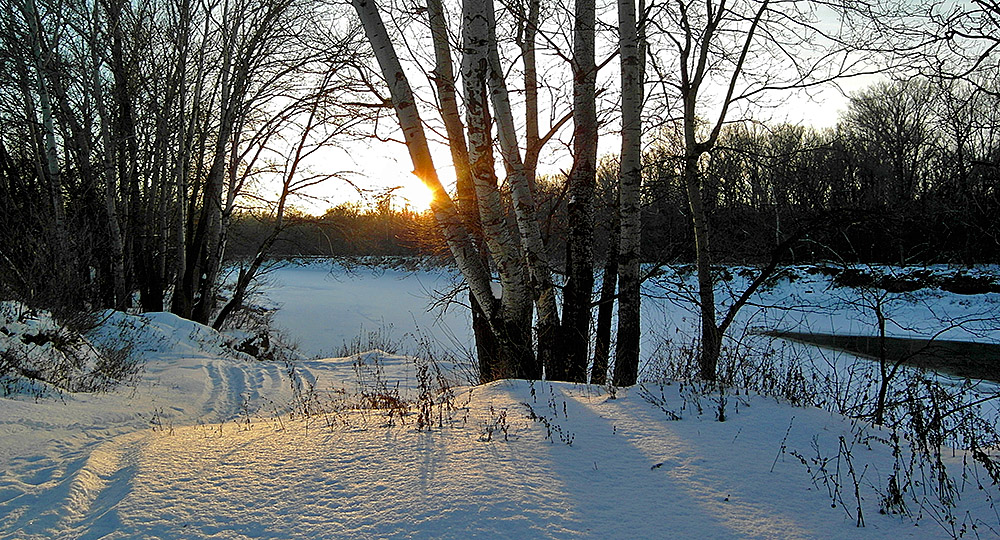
(628, 473)
(49, 447)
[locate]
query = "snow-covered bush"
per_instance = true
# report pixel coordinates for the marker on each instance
(36, 347)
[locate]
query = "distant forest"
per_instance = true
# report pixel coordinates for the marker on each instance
(346, 230)
(911, 175)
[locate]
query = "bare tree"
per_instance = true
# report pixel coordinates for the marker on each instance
(577, 293)
(892, 122)
(511, 235)
(311, 119)
(140, 119)
(506, 313)
(468, 203)
(747, 50)
(951, 41)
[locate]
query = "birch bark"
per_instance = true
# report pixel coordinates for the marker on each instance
(481, 87)
(520, 183)
(445, 212)
(630, 179)
(110, 184)
(487, 346)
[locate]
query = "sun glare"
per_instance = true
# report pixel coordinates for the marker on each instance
(416, 195)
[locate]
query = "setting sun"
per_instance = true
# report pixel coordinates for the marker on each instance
(415, 195)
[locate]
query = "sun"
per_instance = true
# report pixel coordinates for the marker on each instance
(416, 196)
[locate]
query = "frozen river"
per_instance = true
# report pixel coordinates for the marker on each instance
(324, 305)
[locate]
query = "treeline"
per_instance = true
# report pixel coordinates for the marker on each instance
(143, 144)
(911, 175)
(346, 230)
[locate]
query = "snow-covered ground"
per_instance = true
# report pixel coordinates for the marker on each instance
(206, 443)
(325, 305)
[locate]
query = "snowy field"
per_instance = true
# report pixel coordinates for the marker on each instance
(206, 442)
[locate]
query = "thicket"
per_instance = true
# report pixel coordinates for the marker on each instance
(132, 134)
(345, 230)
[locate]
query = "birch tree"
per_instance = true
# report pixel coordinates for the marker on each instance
(506, 314)
(36, 75)
(480, 84)
(468, 203)
(579, 286)
(630, 179)
(511, 235)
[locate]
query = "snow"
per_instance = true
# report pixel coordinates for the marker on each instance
(329, 305)
(208, 443)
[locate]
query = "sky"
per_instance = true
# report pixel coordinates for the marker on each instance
(371, 169)
(381, 166)
(378, 166)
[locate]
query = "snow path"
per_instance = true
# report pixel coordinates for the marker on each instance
(61, 455)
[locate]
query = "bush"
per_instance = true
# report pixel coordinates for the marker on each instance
(39, 350)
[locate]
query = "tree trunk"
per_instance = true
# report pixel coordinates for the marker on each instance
(127, 151)
(578, 292)
(52, 169)
(208, 238)
(526, 42)
(711, 338)
(605, 308)
(487, 345)
(118, 297)
(52, 177)
(509, 332)
(110, 186)
(482, 82)
(246, 34)
(630, 181)
(182, 297)
(535, 257)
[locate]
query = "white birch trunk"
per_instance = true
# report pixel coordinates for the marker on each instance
(52, 168)
(578, 291)
(503, 247)
(630, 178)
(527, 45)
(487, 345)
(515, 275)
(521, 188)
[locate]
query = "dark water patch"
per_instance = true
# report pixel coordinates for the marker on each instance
(904, 280)
(964, 359)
